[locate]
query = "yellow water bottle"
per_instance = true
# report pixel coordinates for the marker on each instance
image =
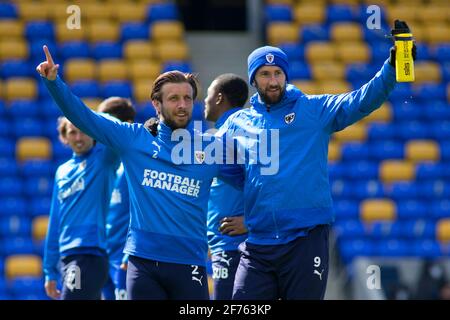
(404, 62)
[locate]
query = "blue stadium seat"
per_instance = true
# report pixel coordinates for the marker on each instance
(27, 127)
(336, 170)
(441, 52)
(294, 51)
(33, 168)
(299, 70)
(353, 151)
(278, 12)
(381, 131)
(198, 111)
(40, 206)
(392, 248)
(15, 226)
(363, 170)
(349, 229)
(419, 229)
(440, 130)
(360, 72)
(368, 189)
(12, 206)
(350, 249)
(42, 89)
(445, 71)
(8, 11)
(162, 11)
(401, 94)
(314, 32)
(409, 111)
(5, 129)
(18, 245)
(8, 167)
(423, 51)
(27, 288)
(430, 91)
(134, 30)
(426, 249)
(413, 130)
(24, 108)
(341, 189)
(116, 88)
(50, 128)
(74, 49)
(3, 110)
(380, 52)
(39, 30)
(341, 12)
(427, 171)
(7, 147)
(375, 35)
(438, 189)
(436, 111)
(411, 209)
(50, 110)
(86, 88)
(440, 209)
(106, 50)
(16, 68)
(402, 190)
(385, 230)
(10, 186)
(39, 186)
(445, 150)
(346, 209)
(144, 111)
(37, 53)
(182, 66)
(387, 149)
(61, 153)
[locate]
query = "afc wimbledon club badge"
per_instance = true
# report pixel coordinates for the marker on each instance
(289, 118)
(269, 57)
(200, 156)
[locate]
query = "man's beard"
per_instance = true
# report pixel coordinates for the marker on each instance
(269, 100)
(171, 123)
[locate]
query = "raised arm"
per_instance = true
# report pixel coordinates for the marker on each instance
(109, 131)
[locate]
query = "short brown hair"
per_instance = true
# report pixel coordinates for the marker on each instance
(62, 128)
(173, 77)
(118, 107)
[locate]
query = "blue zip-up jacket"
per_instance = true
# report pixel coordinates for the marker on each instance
(168, 201)
(118, 219)
(80, 199)
(281, 206)
(224, 201)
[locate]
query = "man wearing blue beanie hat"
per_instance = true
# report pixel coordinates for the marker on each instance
(289, 210)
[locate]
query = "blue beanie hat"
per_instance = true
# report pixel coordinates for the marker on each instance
(267, 56)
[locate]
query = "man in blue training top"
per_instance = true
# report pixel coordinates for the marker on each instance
(118, 217)
(76, 231)
(168, 182)
(288, 213)
(227, 94)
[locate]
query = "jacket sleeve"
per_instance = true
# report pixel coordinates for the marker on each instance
(339, 111)
(51, 253)
(107, 130)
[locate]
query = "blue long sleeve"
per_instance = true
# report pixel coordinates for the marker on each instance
(51, 254)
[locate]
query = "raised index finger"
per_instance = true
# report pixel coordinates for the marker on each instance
(48, 56)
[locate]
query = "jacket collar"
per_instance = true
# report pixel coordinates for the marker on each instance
(225, 116)
(290, 96)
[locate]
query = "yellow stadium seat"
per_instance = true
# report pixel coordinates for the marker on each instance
(282, 32)
(328, 71)
(352, 2)
(126, 12)
(63, 34)
(307, 86)
(443, 230)
(166, 31)
(346, 31)
(142, 90)
(112, 69)
(144, 69)
(401, 12)
(435, 13)
(372, 210)
(320, 52)
(288, 2)
(39, 229)
(382, 114)
(97, 11)
(92, 103)
(20, 88)
(396, 170)
(33, 148)
(1, 89)
(139, 49)
(355, 132)
(334, 87)
(58, 12)
(10, 28)
(383, 3)
(334, 151)
(23, 265)
(172, 50)
(427, 71)
(422, 150)
(437, 33)
(79, 69)
(31, 11)
(103, 31)
(418, 31)
(13, 49)
(309, 13)
(353, 52)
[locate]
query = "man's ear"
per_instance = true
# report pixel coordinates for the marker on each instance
(220, 98)
(157, 106)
